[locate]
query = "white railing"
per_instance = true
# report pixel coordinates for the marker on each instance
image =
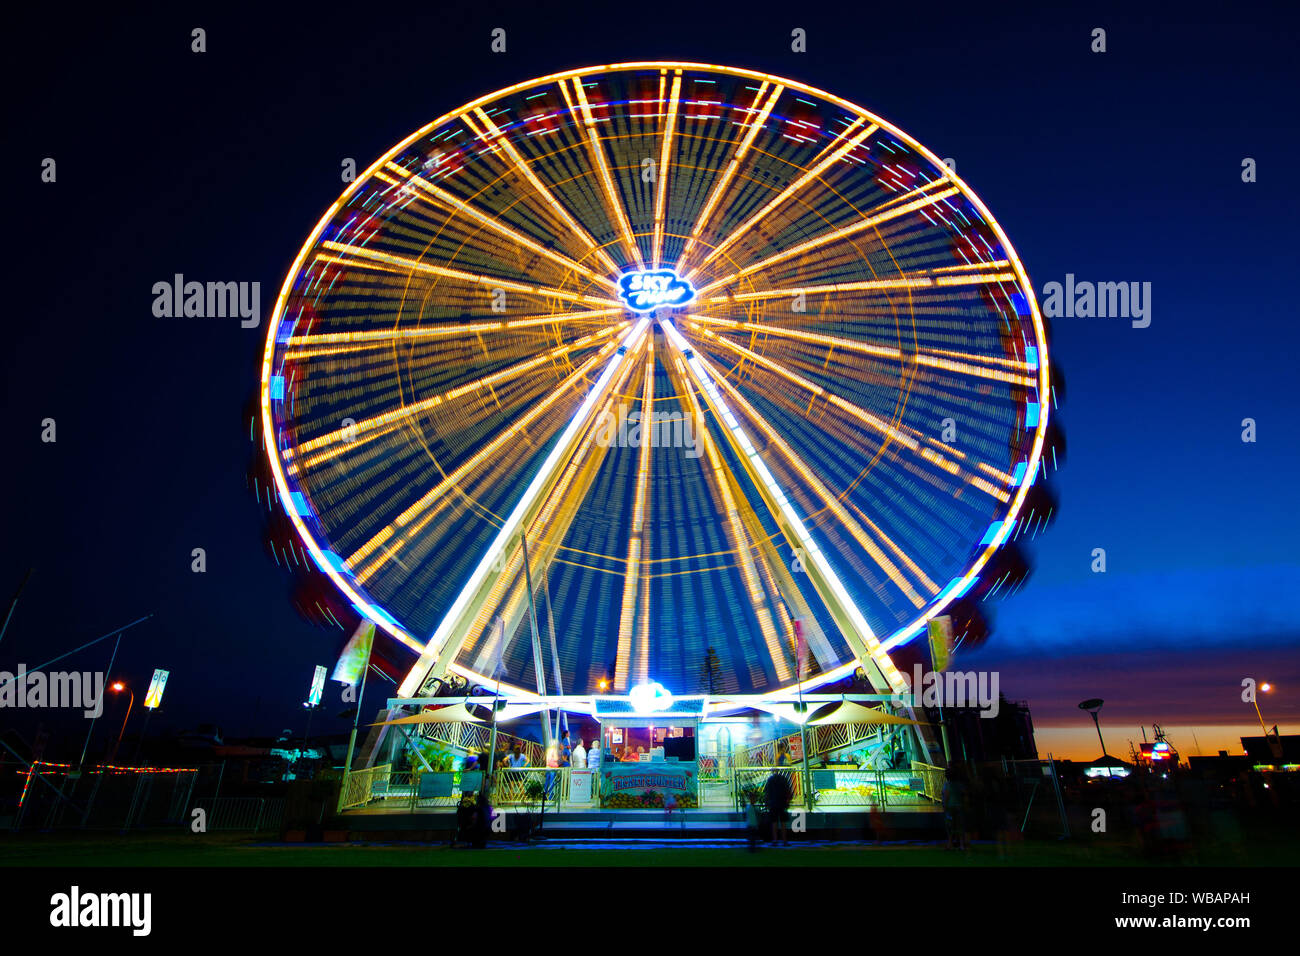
(360, 787)
(471, 738)
(431, 789)
(931, 779)
(525, 787)
(820, 740)
(245, 813)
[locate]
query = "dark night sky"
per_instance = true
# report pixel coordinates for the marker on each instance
(1123, 166)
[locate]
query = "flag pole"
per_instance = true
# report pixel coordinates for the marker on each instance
(934, 666)
(799, 654)
(496, 705)
(537, 647)
(356, 719)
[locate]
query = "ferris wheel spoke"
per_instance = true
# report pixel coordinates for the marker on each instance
(438, 198)
(451, 628)
(966, 275)
(596, 149)
(547, 530)
(960, 362)
(487, 131)
(328, 344)
(827, 583)
(755, 125)
(931, 451)
(837, 504)
(629, 662)
(407, 526)
(840, 146)
(730, 500)
(836, 235)
(665, 152)
(346, 438)
(358, 257)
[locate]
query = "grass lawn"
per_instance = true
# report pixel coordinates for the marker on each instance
(213, 850)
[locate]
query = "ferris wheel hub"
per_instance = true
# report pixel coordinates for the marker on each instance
(647, 290)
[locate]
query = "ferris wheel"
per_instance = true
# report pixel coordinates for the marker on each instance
(651, 361)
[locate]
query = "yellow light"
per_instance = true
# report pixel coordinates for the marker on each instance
(755, 126)
(661, 195)
(835, 155)
(598, 153)
(833, 236)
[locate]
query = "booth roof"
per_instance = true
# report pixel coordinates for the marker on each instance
(451, 714)
(851, 712)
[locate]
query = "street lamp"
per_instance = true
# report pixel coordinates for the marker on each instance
(117, 687)
(1264, 688)
(1093, 705)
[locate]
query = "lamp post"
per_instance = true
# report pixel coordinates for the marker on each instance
(1274, 741)
(117, 687)
(306, 740)
(1093, 705)
(1264, 688)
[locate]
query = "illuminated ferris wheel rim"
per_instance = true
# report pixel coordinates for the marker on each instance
(993, 540)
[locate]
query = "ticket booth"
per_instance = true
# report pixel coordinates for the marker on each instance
(646, 759)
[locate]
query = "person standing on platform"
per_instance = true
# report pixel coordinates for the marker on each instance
(751, 822)
(783, 753)
(593, 755)
(776, 793)
(955, 794)
(579, 756)
(482, 819)
(671, 807)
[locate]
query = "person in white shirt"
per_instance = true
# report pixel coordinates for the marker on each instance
(579, 758)
(593, 755)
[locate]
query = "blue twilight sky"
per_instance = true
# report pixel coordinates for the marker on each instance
(1122, 166)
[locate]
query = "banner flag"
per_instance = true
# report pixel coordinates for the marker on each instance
(352, 662)
(940, 642)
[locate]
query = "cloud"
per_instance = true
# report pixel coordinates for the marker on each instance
(1144, 683)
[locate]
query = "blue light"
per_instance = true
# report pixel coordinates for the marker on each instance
(648, 289)
(331, 562)
(1031, 415)
(992, 533)
(276, 387)
(902, 636)
(649, 698)
(956, 587)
